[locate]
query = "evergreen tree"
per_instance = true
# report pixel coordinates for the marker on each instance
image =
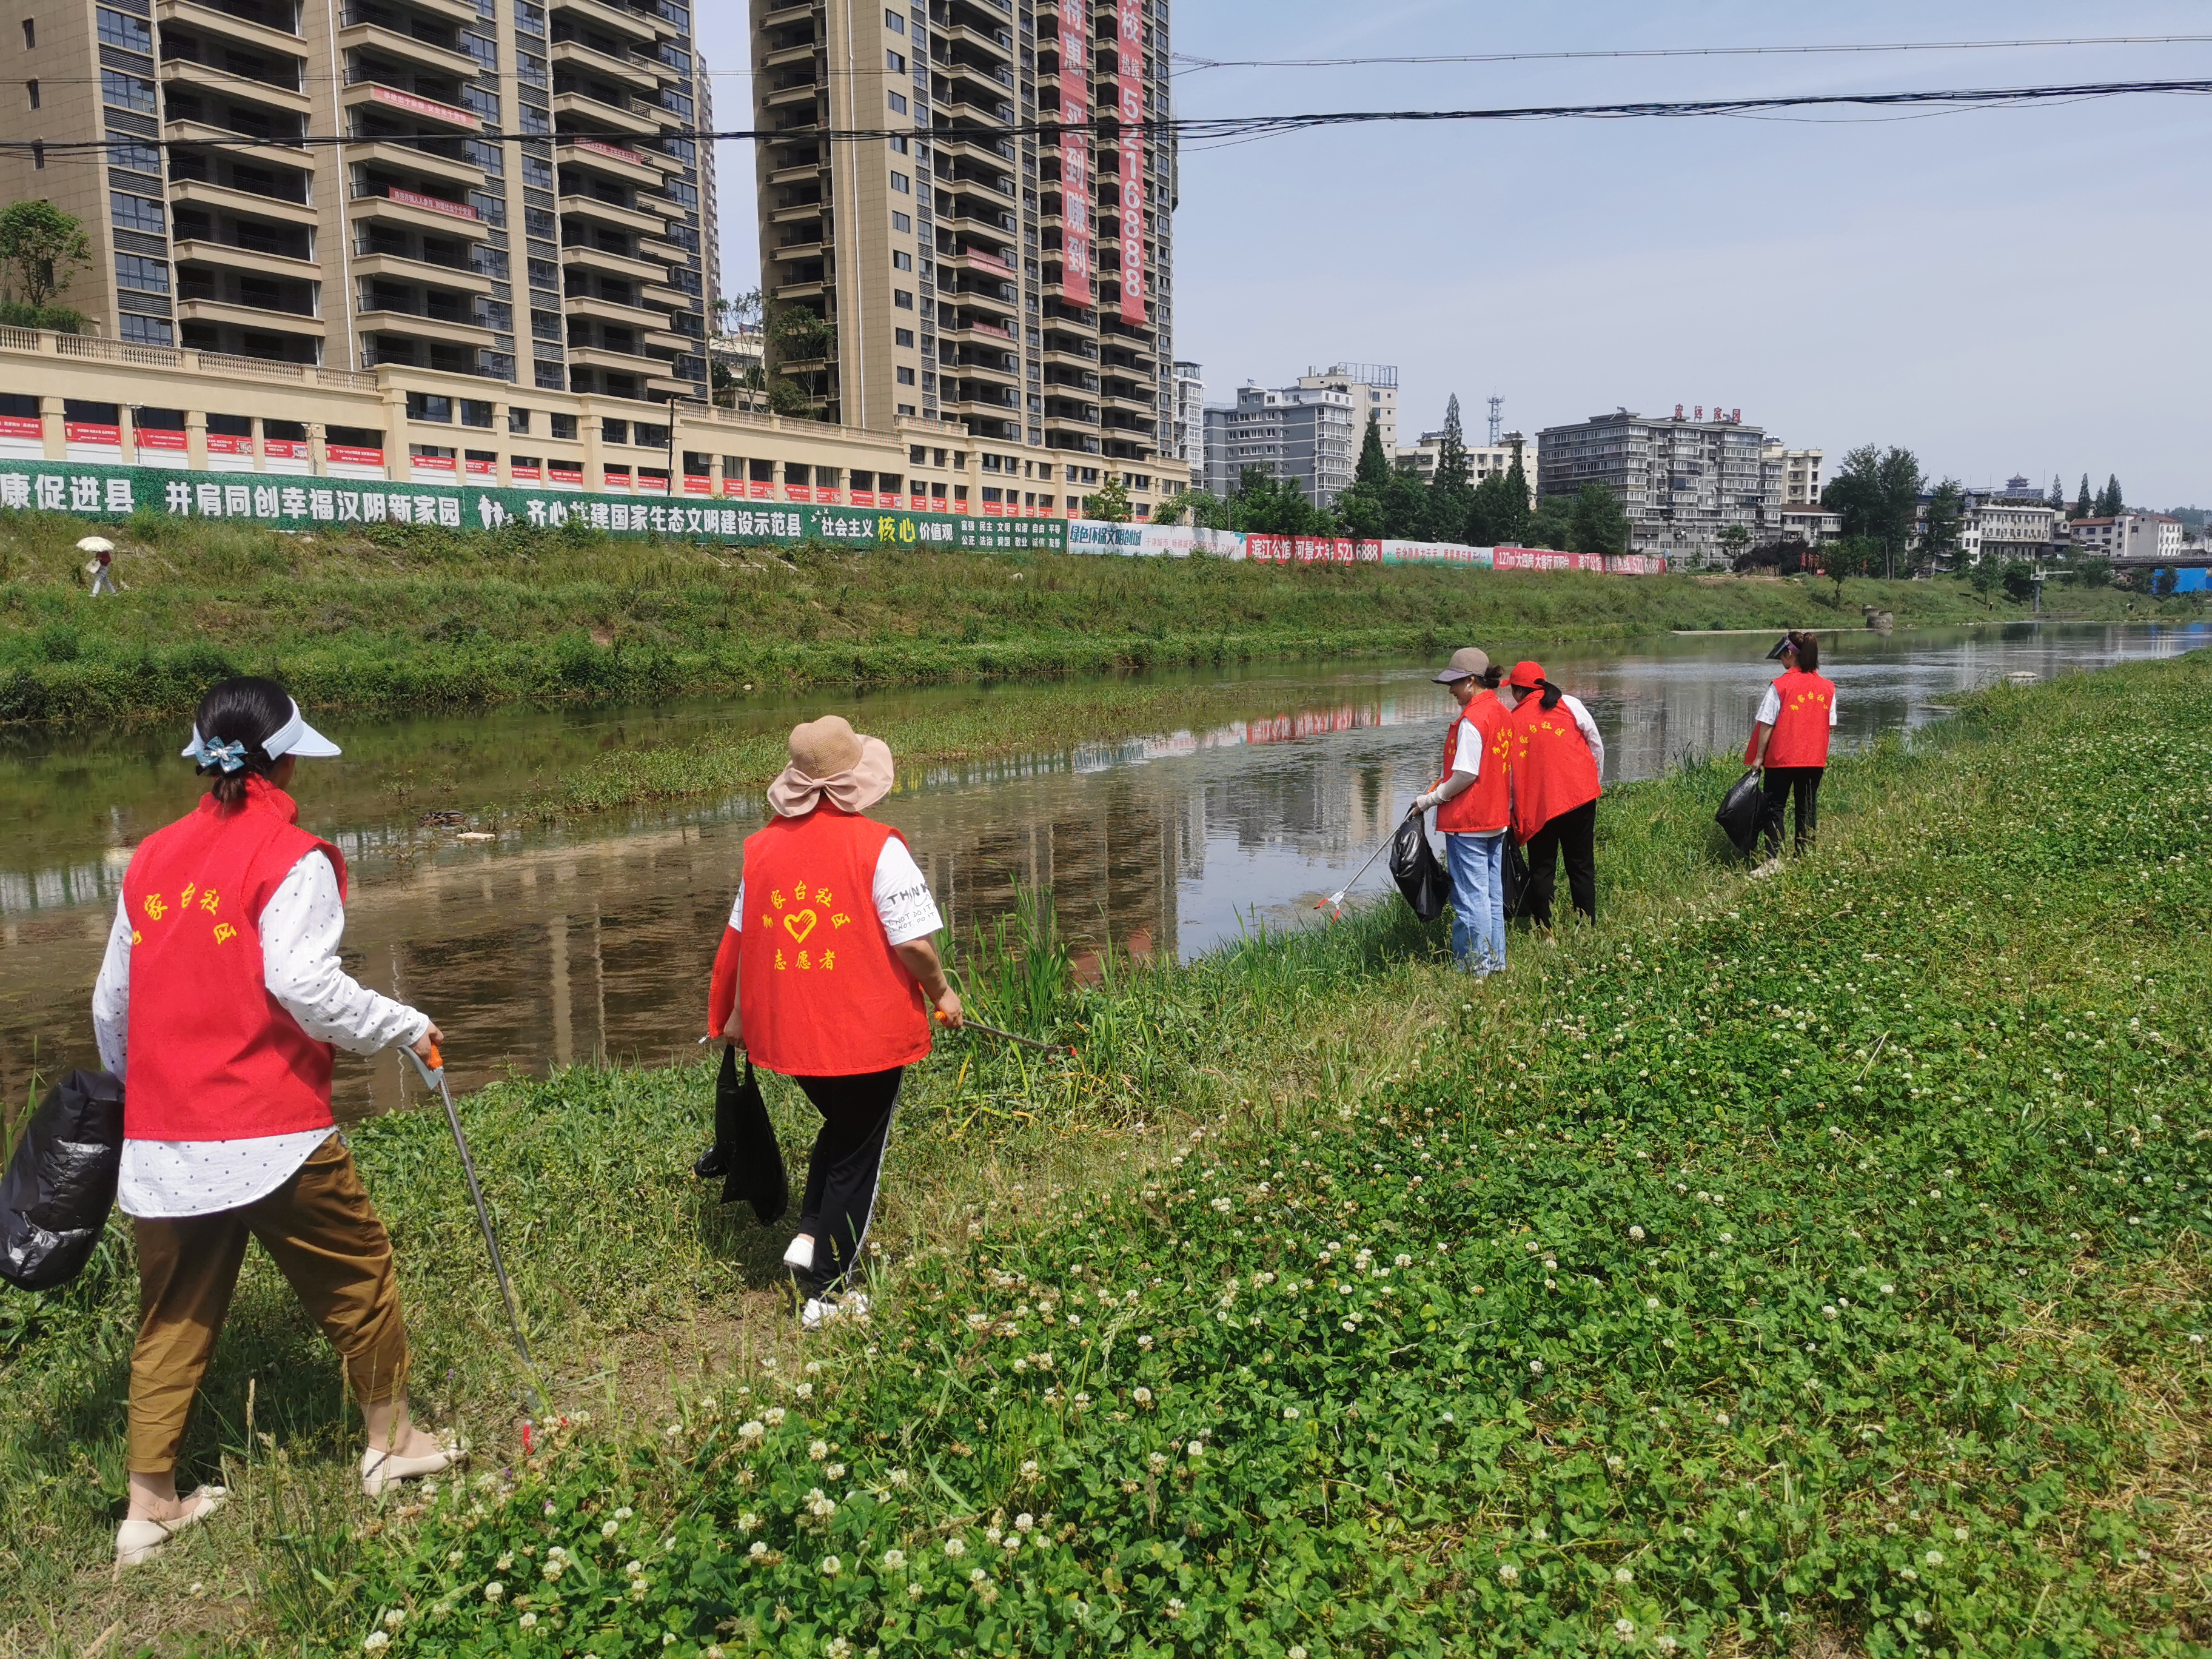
(2082, 505)
(1375, 468)
(1365, 508)
(1499, 514)
(1598, 525)
(1451, 497)
(2111, 504)
(2058, 499)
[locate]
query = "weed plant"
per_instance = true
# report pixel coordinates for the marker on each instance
(1771, 1265)
(411, 616)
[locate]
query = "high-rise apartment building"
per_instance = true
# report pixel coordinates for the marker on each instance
(1795, 474)
(1373, 389)
(1681, 480)
(495, 189)
(1190, 417)
(1308, 434)
(1017, 286)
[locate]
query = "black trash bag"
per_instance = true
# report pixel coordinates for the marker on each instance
(746, 1153)
(1515, 865)
(1740, 810)
(1420, 876)
(61, 1183)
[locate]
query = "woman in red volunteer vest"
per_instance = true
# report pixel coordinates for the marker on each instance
(217, 1005)
(827, 974)
(1790, 740)
(1473, 802)
(1558, 760)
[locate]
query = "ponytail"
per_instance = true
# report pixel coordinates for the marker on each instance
(1552, 694)
(229, 729)
(1808, 647)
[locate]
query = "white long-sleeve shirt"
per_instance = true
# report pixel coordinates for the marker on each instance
(1587, 727)
(300, 928)
(1770, 707)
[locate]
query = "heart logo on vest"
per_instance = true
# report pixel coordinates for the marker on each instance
(800, 923)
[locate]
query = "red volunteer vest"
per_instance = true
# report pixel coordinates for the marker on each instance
(213, 1055)
(821, 992)
(1484, 806)
(1801, 731)
(1553, 770)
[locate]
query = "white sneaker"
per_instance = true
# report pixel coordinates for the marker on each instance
(819, 1311)
(381, 1471)
(798, 1255)
(140, 1540)
(1771, 867)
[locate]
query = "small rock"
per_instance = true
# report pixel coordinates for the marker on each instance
(476, 835)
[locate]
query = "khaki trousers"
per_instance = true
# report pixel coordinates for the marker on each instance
(324, 1236)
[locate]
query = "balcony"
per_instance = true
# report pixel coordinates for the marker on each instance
(225, 140)
(383, 316)
(617, 20)
(418, 212)
(207, 193)
(801, 51)
(597, 157)
(184, 71)
(992, 46)
(575, 54)
(608, 311)
(579, 106)
(594, 210)
(228, 24)
(620, 362)
(407, 267)
(210, 310)
(439, 160)
(360, 91)
(380, 29)
(585, 257)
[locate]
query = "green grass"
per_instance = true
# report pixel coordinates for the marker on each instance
(1946, 1079)
(406, 618)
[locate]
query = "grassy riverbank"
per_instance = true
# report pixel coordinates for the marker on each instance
(412, 619)
(1796, 1266)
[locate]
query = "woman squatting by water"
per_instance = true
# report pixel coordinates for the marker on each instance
(222, 994)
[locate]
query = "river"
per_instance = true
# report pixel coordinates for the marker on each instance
(592, 940)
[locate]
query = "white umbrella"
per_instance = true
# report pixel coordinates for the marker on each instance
(96, 544)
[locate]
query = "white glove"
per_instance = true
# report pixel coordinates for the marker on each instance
(1423, 802)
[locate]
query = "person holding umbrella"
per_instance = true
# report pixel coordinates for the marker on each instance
(1473, 801)
(222, 994)
(101, 569)
(827, 974)
(1790, 740)
(1559, 765)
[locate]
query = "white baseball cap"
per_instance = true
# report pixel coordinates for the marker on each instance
(295, 737)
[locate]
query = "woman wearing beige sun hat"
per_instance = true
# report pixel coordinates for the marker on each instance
(827, 974)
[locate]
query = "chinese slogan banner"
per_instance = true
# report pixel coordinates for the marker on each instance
(1130, 52)
(1075, 152)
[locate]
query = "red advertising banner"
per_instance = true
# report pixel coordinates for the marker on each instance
(1130, 48)
(433, 204)
(698, 483)
(338, 454)
(564, 477)
(30, 425)
(525, 473)
(228, 443)
(429, 107)
(93, 433)
(1371, 552)
(477, 466)
(430, 463)
(1075, 261)
(284, 449)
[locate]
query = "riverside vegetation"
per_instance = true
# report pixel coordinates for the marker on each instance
(402, 617)
(1808, 1265)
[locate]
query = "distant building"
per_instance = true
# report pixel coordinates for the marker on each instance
(1483, 461)
(2130, 536)
(1373, 388)
(1807, 522)
(1792, 475)
(1190, 417)
(1308, 434)
(2015, 523)
(1681, 480)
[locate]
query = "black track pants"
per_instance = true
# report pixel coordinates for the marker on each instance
(1780, 783)
(848, 1163)
(1572, 835)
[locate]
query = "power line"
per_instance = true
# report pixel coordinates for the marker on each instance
(1195, 64)
(1204, 129)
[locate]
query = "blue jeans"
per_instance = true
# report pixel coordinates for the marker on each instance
(1478, 878)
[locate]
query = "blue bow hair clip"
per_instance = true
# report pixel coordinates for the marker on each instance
(228, 756)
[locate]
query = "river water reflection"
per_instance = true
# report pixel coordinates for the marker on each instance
(593, 940)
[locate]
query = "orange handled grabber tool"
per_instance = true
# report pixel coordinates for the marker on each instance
(969, 1022)
(433, 1073)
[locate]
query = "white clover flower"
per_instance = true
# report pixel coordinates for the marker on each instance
(775, 1415)
(1509, 1574)
(803, 1390)
(894, 1560)
(1651, 1302)
(899, 1478)
(1622, 1576)
(1156, 1462)
(1959, 1534)
(831, 1566)
(634, 1569)
(1889, 1289)
(608, 1528)
(1290, 1414)
(1623, 1628)
(758, 1550)
(1934, 1558)
(1665, 1643)
(977, 1575)
(914, 1592)
(1025, 1523)
(528, 1621)
(1029, 1470)
(504, 1562)
(1145, 1343)
(1402, 1261)
(494, 1590)
(638, 1587)
(376, 1641)
(1535, 1368)
(1296, 1652)
(752, 1433)
(1828, 1311)
(1721, 1417)
(1175, 1606)
(452, 1558)
(1196, 1448)
(623, 1513)
(395, 1619)
(748, 1521)
(818, 1449)
(835, 1471)
(1143, 1395)
(1010, 1542)
(553, 1569)
(839, 1647)
(1636, 1233)
(1728, 1238)
(955, 1548)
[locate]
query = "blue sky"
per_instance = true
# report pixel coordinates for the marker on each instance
(2017, 290)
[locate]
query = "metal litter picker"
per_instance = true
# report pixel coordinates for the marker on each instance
(1336, 901)
(433, 1073)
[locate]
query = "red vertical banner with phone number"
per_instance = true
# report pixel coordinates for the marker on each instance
(1075, 261)
(1130, 51)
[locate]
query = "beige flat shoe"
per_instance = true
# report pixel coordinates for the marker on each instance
(140, 1540)
(381, 1471)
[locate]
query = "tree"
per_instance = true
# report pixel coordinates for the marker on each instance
(1111, 504)
(2082, 505)
(1876, 493)
(1553, 524)
(2092, 573)
(1947, 522)
(2111, 504)
(1597, 525)
(1733, 541)
(1854, 555)
(1451, 496)
(1375, 469)
(39, 247)
(2057, 502)
(1498, 514)
(2019, 580)
(1364, 506)
(1197, 502)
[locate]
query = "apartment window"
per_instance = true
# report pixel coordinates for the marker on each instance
(518, 420)
(898, 103)
(151, 274)
(902, 184)
(120, 29)
(892, 22)
(905, 376)
(564, 426)
(129, 91)
(614, 432)
(902, 223)
(135, 213)
(895, 61)
(900, 298)
(476, 412)
(898, 143)
(902, 260)
(30, 35)
(32, 87)
(902, 337)
(431, 406)
(146, 330)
